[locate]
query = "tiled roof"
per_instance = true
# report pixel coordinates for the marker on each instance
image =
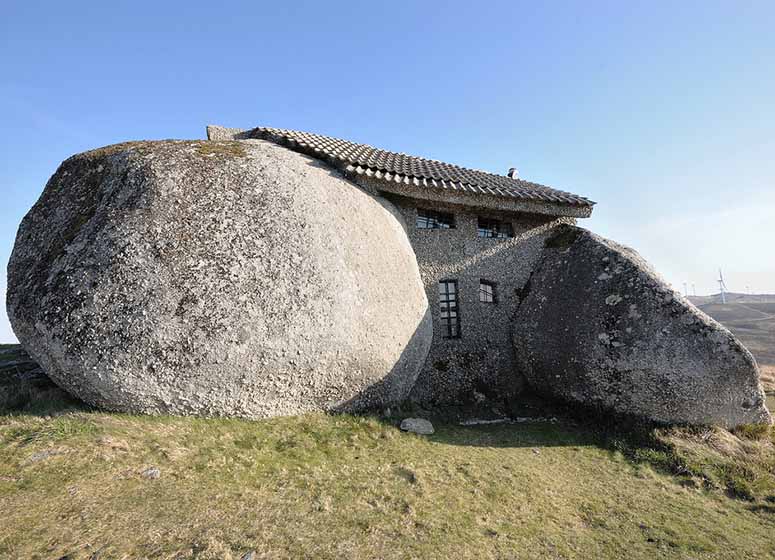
(383, 165)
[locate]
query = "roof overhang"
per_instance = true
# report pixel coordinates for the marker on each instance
(462, 198)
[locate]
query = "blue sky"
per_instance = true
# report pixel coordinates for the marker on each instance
(662, 112)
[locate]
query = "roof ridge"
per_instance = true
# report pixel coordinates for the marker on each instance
(462, 167)
(418, 172)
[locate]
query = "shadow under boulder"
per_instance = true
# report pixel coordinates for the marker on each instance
(25, 387)
(599, 327)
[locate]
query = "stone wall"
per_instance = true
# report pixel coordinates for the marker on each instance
(481, 362)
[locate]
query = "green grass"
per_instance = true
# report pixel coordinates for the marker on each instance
(344, 486)
(356, 487)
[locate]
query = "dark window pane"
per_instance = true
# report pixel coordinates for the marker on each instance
(490, 228)
(505, 230)
(448, 306)
(430, 219)
(486, 292)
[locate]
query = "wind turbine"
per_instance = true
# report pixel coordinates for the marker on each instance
(722, 287)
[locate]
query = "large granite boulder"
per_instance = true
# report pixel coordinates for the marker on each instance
(217, 278)
(598, 326)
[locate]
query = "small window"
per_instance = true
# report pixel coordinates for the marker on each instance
(450, 319)
(430, 219)
(488, 227)
(486, 291)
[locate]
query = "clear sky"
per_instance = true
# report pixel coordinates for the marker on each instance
(662, 112)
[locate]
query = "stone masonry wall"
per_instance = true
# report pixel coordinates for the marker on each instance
(481, 362)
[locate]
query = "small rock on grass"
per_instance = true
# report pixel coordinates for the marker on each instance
(417, 425)
(45, 454)
(151, 473)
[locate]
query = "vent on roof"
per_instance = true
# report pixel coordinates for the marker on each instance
(513, 173)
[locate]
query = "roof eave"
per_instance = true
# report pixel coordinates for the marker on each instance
(471, 199)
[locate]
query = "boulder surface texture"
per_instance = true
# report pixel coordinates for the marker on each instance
(599, 327)
(217, 278)
(417, 425)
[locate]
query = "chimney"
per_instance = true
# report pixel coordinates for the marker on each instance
(513, 173)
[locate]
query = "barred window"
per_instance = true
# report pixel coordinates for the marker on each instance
(430, 219)
(486, 291)
(488, 227)
(450, 320)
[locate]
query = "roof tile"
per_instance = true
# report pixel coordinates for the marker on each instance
(421, 172)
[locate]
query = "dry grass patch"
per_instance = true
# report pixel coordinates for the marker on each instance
(768, 377)
(740, 463)
(768, 382)
(224, 148)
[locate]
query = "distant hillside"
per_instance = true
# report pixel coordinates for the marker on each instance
(733, 297)
(752, 322)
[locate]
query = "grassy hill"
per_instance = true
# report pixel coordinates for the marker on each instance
(82, 484)
(753, 322)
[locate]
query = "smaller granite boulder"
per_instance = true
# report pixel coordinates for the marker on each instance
(599, 327)
(417, 425)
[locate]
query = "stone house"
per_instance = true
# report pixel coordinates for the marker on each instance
(476, 236)
(292, 272)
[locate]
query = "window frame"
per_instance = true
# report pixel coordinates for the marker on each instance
(434, 219)
(493, 228)
(448, 305)
(493, 294)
